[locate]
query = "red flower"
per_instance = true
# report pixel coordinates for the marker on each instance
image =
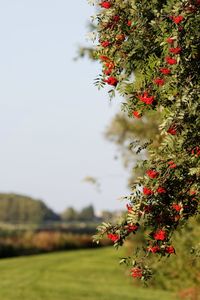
(153, 249)
(136, 273)
(161, 190)
(136, 114)
(111, 81)
(147, 191)
(160, 235)
(170, 60)
(159, 81)
(170, 250)
(105, 4)
(113, 237)
(177, 207)
(129, 23)
(129, 208)
(172, 131)
(116, 18)
(105, 44)
(170, 40)
(165, 71)
(152, 173)
(176, 50)
(178, 19)
(146, 99)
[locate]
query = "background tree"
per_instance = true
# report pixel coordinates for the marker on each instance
(87, 214)
(18, 209)
(70, 214)
(131, 137)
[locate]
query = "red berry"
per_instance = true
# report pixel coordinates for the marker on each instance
(170, 60)
(170, 250)
(111, 81)
(147, 191)
(178, 19)
(136, 272)
(160, 235)
(105, 4)
(116, 18)
(153, 249)
(105, 44)
(161, 190)
(113, 237)
(136, 114)
(152, 173)
(159, 81)
(146, 98)
(170, 40)
(172, 130)
(165, 71)
(177, 207)
(176, 50)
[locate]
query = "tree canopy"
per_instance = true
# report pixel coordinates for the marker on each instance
(149, 53)
(18, 209)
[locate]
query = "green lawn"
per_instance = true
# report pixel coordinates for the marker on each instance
(74, 275)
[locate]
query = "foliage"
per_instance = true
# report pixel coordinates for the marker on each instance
(185, 265)
(20, 243)
(131, 137)
(16, 209)
(173, 273)
(159, 42)
(179, 272)
(69, 214)
(87, 213)
(19, 209)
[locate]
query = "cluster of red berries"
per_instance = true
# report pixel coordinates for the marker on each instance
(160, 190)
(130, 228)
(156, 249)
(113, 237)
(111, 80)
(108, 69)
(160, 81)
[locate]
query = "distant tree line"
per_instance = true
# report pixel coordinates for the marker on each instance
(86, 214)
(19, 209)
(22, 209)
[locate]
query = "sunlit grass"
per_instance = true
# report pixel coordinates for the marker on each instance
(74, 275)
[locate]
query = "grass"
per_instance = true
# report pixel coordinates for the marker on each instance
(74, 275)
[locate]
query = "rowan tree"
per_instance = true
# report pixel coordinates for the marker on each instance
(150, 55)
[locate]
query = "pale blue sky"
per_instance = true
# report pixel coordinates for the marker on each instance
(52, 118)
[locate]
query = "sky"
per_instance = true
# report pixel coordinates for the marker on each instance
(52, 117)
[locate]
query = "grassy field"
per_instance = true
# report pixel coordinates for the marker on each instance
(74, 275)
